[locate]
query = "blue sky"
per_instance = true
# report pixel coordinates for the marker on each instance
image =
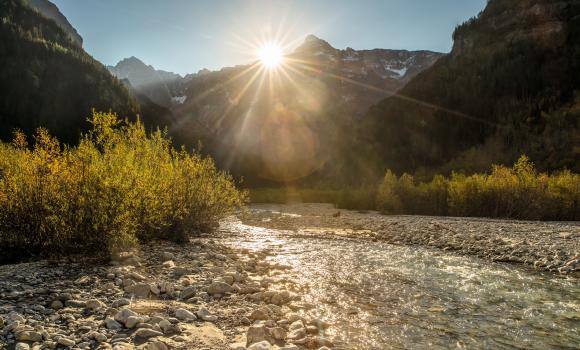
(184, 36)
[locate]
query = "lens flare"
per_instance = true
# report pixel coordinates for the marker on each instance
(270, 55)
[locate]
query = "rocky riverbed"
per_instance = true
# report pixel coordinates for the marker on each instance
(307, 276)
(201, 295)
(549, 246)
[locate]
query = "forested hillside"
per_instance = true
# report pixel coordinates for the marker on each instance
(46, 80)
(510, 86)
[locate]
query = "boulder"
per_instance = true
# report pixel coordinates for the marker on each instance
(218, 287)
(56, 305)
(255, 334)
(66, 342)
(262, 313)
(28, 336)
(187, 293)
(156, 345)
(112, 324)
(184, 315)
(22, 346)
(121, 302)
(140, 290)
(263, 345)
(123, 315)
(147, 333)
(94, 304)
(204, 314)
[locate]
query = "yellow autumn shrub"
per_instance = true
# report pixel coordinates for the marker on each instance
(119, 185)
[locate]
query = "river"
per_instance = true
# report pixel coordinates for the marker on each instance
(380, 296)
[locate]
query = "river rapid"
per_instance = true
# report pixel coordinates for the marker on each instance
(378, 295)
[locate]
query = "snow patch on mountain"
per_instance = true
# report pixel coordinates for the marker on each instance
(179, 99)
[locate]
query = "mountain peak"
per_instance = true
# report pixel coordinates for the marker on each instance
(312, 42)
(311, 37)
(130, 61)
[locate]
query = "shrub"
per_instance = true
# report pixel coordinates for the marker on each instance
(118, 186)
(518, 192)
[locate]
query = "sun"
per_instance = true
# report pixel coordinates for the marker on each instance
(270, 55)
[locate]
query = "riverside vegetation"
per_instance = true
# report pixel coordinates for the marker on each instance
(518, 192)
(118, 186)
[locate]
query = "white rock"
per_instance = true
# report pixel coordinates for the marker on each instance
(65, 342)
(184, 315)
(169, 264)
(99, 337)
(147, 333)
(278, 333)
(133, 321)
(112, 324)
(95, 304)
(140, 290)
(218, 287)
(204, 314)
(123, 346)
(263, 345)
(255, 334)
(157, 345)
(22, 346)
(123, 315)
(28, 336)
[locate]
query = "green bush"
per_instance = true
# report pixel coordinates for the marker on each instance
(118, 186)
(519, 192)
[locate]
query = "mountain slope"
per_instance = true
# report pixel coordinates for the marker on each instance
(161, 87)
(47, 80)
(50, 11)
(509, 86)
(294, 123)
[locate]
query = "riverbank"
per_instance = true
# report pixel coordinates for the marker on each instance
(305, 276)
(201, 295)
(547, 246)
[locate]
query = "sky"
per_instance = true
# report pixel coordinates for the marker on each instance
(184, 36)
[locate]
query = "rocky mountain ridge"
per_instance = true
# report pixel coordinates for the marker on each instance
(508, 88)
(162, 87)
(51, 11)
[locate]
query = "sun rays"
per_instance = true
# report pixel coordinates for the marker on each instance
(269, 107)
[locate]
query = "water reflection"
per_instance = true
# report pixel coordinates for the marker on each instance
(380, 296)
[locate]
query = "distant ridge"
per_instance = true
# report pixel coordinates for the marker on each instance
(51, 11)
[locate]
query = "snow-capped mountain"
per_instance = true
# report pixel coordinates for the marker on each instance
(367, 75)
(384, 63)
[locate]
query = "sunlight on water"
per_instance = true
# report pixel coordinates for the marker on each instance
(379, 296)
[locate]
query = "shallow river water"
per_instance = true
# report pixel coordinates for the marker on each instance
(382, 296)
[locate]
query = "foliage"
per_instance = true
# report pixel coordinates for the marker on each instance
(47, 81)
(508, 84)
(118, 186)
(518, 192)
